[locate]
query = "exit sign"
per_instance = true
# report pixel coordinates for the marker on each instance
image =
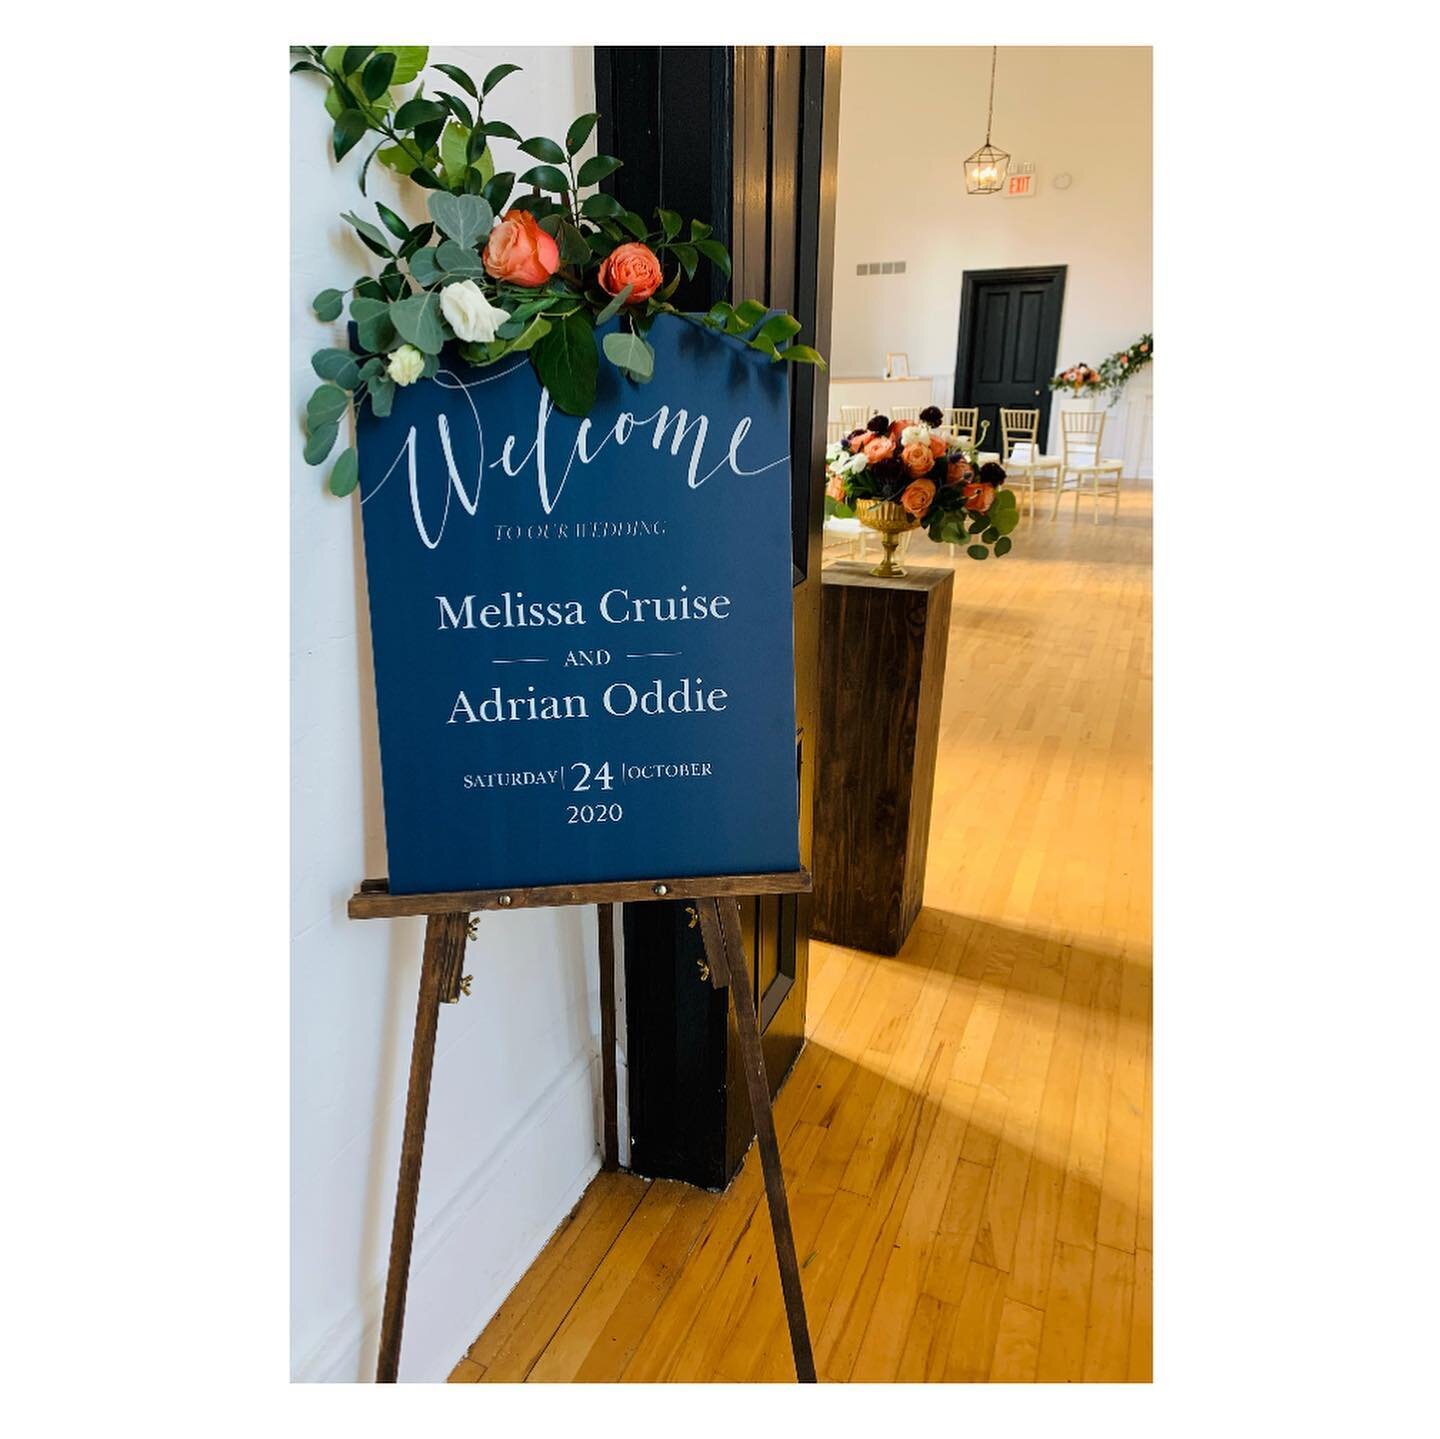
(1020, 184)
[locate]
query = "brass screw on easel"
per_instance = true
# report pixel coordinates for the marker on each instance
(465, 981)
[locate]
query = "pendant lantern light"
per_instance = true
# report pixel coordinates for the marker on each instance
(985, 170)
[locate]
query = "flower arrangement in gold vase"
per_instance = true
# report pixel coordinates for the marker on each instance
(897, 475)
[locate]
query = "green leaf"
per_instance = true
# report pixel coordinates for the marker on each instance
(747, 314)
(500, 130)
(990, 534)
(372, 237)
(458, 76)
(779, 328)
(378, 74)
(579, 132)
(321, 442)
(496, 76)
(718, 314)
(348, 129)
(698, 231)
(425, 266)
(466, 219)
(338, 366)
(573, 249)
(346, 474)
(716, 253)
(328, 304)
(328, 403)
(418, 321)
(423, 177)
(1004, 545)
(410, 60)
(427, 134)
(614, 306)
(417, 239)
(454, 153)
(373, 325)
(669, 222)
(382, 396)
(634, 224)
(307, 65)
(537, 329)
(596, 168)
(547, 177)
(631, 354)
(595, 207)
(687, 257)
(804, 355)
(977, 552)
(418, 112)
(354, 57)
(497, 189)
(393, 222)
(543, 149)
(567, 363)
(458, 109)
(457, 260)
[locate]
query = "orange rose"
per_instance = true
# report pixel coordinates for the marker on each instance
(879, 447)
(860, 441)
(835, 487)
(632, 264)
(917, 497)
(916, 458)
(519, 251)
(956, 471)
(897, 426)
(937, 446)
(979, 497)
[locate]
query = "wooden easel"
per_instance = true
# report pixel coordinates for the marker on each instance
(448, 927)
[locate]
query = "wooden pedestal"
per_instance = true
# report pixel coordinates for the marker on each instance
(882, 669)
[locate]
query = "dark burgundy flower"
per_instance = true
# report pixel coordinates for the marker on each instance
(991, 473)
(879, 425)
(931, 414)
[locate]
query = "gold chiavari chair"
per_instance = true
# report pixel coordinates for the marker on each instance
(1020, 453)
(1082, 433)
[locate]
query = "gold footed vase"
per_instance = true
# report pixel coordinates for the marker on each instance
(890, 520)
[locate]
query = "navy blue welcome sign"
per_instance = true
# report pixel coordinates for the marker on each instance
(582, 628)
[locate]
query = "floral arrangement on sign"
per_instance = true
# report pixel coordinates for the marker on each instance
(491, 273)
(938, 481)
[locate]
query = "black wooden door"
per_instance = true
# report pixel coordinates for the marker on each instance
(746, 138)
(1009, 336)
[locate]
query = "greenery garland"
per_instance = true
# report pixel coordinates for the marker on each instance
(489, 274)
(1114, 371)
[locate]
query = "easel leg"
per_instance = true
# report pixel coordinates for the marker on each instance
(610, 1155)
(720, 925)
(445, 936)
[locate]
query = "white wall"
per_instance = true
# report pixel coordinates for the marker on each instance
(909, 117)
(513, 1114)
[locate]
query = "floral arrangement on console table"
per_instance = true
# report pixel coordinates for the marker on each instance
(896, 475)
(488, 274)
(1114, 371)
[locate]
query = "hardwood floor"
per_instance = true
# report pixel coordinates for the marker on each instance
(966, 1135)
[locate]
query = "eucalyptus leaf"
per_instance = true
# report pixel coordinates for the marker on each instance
(338, 366)
(631, 354)
(425, 265)
(346, 474)
(579, 132)
(418, 321)
(457, 260)
(466, 219)
(373, 325)
(327, 403)
(328, 304)
(382, 396)
(977, 552)
(321, 442)
(1004, 545)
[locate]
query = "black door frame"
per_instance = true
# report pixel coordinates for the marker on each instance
(970, 283)
(746, 138)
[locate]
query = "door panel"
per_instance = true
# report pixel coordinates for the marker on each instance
(1009, 334)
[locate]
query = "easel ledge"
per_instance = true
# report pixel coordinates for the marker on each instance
(373, 899)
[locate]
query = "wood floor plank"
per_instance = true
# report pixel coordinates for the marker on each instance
(1141, 1369)
(977, 1325)
(1067, 1308)
(1107, 1335)
(1017, 1344)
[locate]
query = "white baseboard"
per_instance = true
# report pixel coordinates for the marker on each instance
(473, 1252)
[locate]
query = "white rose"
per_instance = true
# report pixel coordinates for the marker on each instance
(406, 365)
(858, 463)
(470, 314)
(915, 434)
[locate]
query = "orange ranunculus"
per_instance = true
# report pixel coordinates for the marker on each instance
(918, 497)
(937, 446)
(916, 458)
(632, 264)
(860, 441)
(897, 427)
(956, 471)
(879, 447)
(519, 251)
(835, 487)
(979, 497)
